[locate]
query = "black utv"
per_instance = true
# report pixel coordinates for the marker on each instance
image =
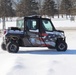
(33, 31)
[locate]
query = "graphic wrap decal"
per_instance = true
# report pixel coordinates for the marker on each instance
(49, 40)
(46, 40)
(43, 40)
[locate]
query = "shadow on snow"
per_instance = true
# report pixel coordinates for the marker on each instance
(49, 52)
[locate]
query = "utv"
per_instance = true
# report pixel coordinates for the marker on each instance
(33, 31)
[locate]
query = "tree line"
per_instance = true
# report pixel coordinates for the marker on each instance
(10, 8)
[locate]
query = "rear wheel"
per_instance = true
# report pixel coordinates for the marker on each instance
(3, 46)
(12, 47)
(61, 46)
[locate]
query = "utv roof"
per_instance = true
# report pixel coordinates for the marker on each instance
(36, 16)
(32, 16)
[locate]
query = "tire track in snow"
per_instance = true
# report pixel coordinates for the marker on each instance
(30, 65)
(6, 62)
(52, 66)
(17, 68)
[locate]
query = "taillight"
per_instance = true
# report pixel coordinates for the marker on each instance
(4, 31)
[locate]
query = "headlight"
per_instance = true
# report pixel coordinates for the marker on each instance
(62, 35)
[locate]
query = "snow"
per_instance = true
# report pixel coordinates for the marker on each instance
(8, 24)
(41, 61)
(62, 23)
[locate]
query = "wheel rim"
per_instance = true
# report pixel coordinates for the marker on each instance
(61, 46)
(13, 47)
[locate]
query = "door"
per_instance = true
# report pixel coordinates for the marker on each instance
(47, 34)
(33, 32)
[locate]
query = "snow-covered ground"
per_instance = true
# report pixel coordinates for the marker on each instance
(41, 61)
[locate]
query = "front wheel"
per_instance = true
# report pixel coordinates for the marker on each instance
(61, 46)
(12, 47)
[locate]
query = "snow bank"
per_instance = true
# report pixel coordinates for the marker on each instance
(58, 22)
(8, 24)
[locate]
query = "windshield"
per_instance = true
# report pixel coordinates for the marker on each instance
(20, 24)
(47, 25)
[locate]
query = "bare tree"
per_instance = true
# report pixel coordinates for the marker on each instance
(66, 6)
(73, 10)
(6, 10)
(58, 6)
(27, 7)
(49, 8)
